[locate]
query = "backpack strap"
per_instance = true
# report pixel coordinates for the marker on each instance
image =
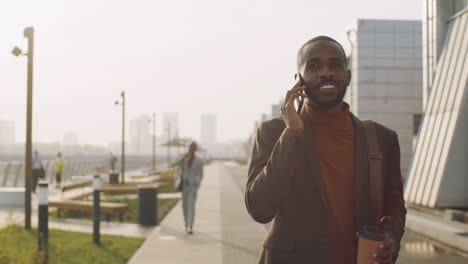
(375, 158)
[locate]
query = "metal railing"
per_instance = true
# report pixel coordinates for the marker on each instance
(12, 172)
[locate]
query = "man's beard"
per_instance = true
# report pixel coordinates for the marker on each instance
(325, 104)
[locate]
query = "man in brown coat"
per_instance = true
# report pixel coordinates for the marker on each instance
(309, 171)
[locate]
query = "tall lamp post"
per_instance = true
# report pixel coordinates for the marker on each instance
(154, 140)
(122, 94)
(29, 34)
(169, 145)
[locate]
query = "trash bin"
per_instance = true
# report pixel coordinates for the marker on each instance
(114, 177)
(148, 205)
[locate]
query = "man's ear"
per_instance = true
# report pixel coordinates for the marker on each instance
(298, 76)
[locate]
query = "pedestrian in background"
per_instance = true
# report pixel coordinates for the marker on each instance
(191, 176)
(58, 170)
(37, 169)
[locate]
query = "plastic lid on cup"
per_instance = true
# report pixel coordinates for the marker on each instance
(373, 233)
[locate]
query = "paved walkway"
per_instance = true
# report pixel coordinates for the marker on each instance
(223, 231)
(451, 233)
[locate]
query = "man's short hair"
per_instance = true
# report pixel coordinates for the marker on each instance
(318, 38)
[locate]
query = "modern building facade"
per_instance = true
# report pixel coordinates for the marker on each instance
(438, 171)
(386, 83)
(275, 110)
(140, 138)
(208, 127)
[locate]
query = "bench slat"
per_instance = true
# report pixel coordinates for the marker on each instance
(72, 186)
(88, 206)
(118, 188)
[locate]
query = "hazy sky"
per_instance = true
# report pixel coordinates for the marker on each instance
(233, 58)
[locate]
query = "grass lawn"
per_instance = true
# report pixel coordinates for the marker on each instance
(20, 246)
(131, 216)
(165, 173)
(167, 177)
(168, 186)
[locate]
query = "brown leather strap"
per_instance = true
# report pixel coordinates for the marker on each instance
(375, 159)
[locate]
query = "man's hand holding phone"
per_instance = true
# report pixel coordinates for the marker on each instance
(288, 111)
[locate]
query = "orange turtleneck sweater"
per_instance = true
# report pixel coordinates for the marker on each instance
(334, 137)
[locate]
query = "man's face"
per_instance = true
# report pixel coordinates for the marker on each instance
(324, 73)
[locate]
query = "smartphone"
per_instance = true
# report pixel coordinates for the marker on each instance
(301, 99)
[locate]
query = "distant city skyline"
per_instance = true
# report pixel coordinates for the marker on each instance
(139, 132)
(231, 58)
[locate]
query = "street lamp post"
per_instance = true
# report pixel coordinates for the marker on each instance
(29, 34)
(169, 145)
(123, 135)
(177, 139)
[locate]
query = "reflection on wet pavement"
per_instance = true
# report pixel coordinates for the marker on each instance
(416, 249)
(420, 247)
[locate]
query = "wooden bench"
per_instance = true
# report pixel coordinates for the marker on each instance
(76, 185)
(145, 179)
(87, 206)
(140, 176)
(128, 188)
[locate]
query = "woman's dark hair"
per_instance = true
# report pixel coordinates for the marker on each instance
(192, 148)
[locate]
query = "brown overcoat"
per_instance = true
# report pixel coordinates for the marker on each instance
(284, 185)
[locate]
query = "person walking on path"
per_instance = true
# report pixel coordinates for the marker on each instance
(310, 171)
(58, 170)
(37, 169)
(191, 173)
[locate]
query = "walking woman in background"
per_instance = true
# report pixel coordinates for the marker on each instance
(191, 176)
